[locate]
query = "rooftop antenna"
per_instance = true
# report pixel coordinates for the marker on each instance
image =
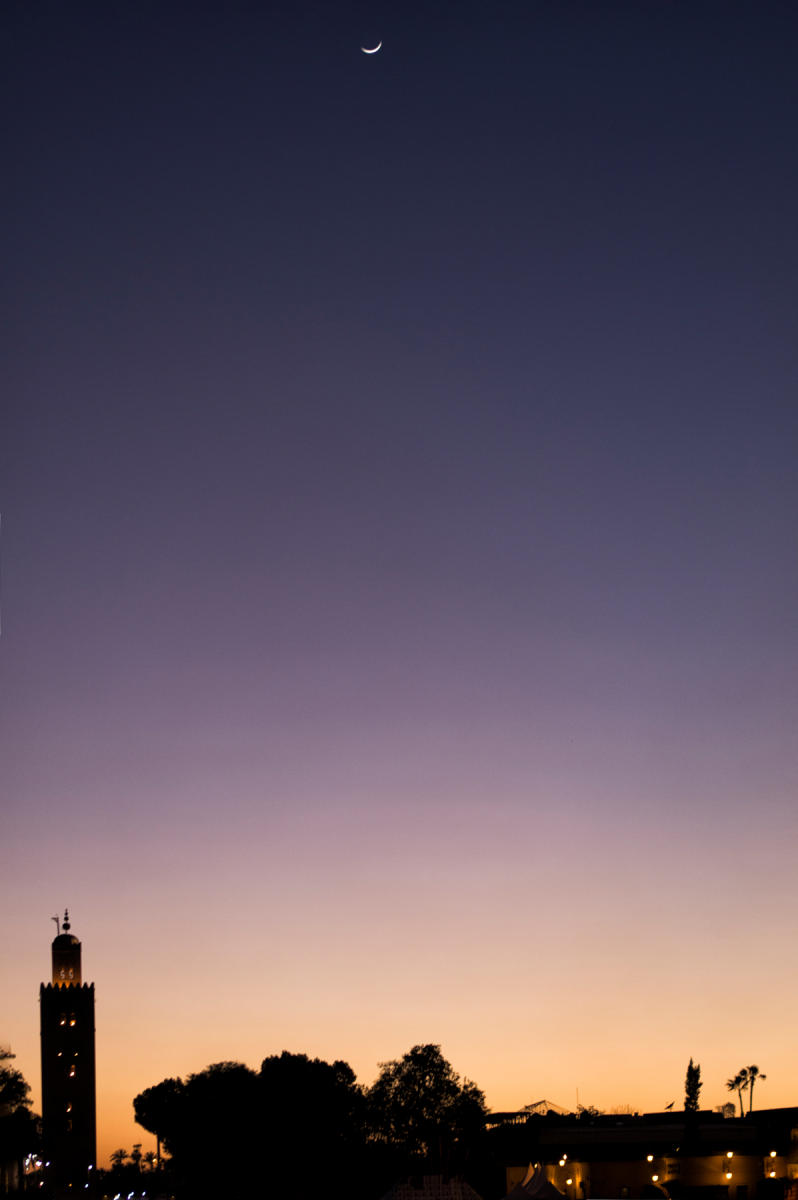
(57, 923)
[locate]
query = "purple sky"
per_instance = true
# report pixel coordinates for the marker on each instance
(399, 566)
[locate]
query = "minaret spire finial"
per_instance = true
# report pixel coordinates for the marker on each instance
(66, 920)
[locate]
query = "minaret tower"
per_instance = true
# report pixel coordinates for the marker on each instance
(68, 1092)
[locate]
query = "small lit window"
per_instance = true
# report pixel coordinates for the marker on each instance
(71, 1072)
(69, 1108)
(63, 1019)
(72, 1020)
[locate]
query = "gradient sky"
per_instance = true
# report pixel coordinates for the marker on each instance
(399, 578)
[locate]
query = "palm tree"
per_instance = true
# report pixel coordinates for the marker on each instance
(148, 1158)
(753, 1074)
(118, 1157)
(738, 1083)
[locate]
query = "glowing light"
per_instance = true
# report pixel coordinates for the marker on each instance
(728, 1174)
(655, 1178)
(569, 1181)
(649, 1158)
(772, 1174)
(730, 1154)
(773, 1154)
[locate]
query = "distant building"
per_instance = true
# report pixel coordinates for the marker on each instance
(69, 1125)
(657, 1156)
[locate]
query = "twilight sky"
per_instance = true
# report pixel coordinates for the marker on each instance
(399, 576)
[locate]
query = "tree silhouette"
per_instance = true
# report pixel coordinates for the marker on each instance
(328, 1141)
(692, 1086)
(753, 1073)
(19, 1133)
(14, 1088)
(297, 1120)
(420, 1104)
(738, 1083)
(160, 1110)
(118, 1157)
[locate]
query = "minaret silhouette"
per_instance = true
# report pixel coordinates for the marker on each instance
(69, 1132)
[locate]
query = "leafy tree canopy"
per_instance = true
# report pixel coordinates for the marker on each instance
(14, 1091)
(420, 1103)
(326, 1095)
(159, 1110)
(295, 1110)
(18, 1126)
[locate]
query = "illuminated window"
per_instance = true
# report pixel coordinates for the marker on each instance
(63, 1019)
(71, 1072)
(69, 1108)
(72, 1020)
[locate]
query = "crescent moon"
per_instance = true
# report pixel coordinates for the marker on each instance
(374, 51)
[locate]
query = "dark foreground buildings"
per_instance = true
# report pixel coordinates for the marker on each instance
(68, 1091)
(654, 1156)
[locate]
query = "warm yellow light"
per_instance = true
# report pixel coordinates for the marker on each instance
(773, 1154)
(730, 1154)
(649, 1158)
(655, 1178)
(772, 1174)
(562, 1162)
(728, 1174)
(569, 1181)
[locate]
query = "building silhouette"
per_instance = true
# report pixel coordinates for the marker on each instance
(651, 1156)
(69, 1129)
